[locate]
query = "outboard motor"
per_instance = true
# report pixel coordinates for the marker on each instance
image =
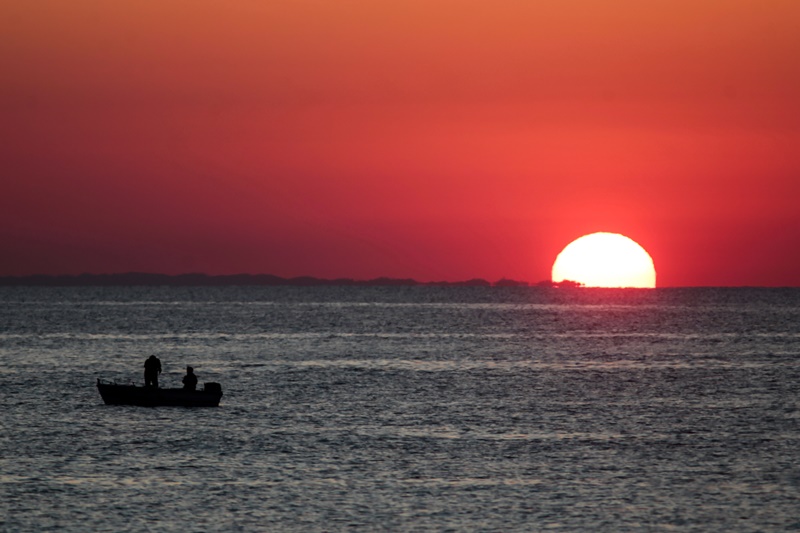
(212, 387)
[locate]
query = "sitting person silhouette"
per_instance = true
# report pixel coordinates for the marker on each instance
(189, 380)
(152, 368)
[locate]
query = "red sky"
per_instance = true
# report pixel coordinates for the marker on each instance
(434, 139)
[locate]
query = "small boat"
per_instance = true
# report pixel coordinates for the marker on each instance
(128, 394)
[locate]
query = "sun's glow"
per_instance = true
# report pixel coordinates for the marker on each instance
(605, 260)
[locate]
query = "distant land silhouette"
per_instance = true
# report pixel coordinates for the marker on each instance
(205, 280)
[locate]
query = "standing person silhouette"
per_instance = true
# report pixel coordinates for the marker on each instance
(189, 380)
(152, 368)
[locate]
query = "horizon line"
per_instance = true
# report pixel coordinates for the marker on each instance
(134, 278)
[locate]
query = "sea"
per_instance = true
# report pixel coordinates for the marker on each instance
(403, 409)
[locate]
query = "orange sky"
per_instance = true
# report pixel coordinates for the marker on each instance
(440, 140)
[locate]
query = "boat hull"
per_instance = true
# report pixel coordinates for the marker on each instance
(116, 394)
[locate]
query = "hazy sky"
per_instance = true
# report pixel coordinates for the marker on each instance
(434, 139)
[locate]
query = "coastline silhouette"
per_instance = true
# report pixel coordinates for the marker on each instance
(205, 280)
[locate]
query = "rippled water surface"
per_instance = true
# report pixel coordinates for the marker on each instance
(397, 409)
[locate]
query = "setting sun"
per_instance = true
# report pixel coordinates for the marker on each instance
(605, 260)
